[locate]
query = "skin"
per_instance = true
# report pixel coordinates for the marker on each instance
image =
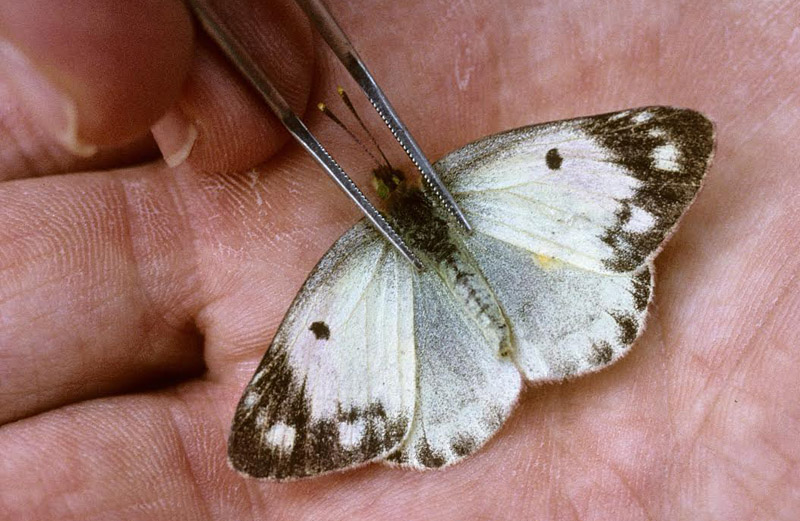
(136, 302)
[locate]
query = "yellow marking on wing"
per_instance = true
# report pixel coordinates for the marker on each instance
(546, 262)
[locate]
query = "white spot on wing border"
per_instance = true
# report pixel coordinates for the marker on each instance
(665, 157)
(280, 436)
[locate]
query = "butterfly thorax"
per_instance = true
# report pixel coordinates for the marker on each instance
(439, 244)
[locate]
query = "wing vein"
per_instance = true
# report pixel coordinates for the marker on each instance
(333, 268)
(534, 236)
(538, 202)
(565, 186)
(368, 286)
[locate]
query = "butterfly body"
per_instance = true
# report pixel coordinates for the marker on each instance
(440, 246)
(376, 361)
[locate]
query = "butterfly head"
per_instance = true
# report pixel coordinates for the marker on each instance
(386, 180)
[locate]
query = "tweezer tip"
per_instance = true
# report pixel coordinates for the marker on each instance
(439, 189)
(465, 223)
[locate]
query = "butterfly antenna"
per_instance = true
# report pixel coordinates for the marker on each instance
(346, 100)
(325, 110)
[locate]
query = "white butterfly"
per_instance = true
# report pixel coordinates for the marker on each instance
(376, 361)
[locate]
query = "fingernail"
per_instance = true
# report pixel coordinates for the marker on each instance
(175, 136)
(51, 107)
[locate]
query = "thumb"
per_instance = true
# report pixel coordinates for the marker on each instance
(95, 72)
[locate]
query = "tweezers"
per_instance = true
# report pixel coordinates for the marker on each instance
(336, 39)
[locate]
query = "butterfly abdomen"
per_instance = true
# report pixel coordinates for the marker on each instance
(425, 229)
(462, 276)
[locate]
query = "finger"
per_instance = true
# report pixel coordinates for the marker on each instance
(98, 265)
(117, 456)
(106, 274)
(221, 124)
(95, 72)
(97, 290)
(162, 456)
(166, 450)
(27, 151)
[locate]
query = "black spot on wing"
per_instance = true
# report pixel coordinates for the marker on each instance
(317, 448)
(601, 353)
(320, 330)
(464, 445)
(631, 138)
(397, 456)
(642, 282)
(553, 159)
(628, 327)
(427, 456)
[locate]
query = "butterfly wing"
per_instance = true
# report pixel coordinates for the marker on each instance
(465, 391)
(567, 218)
(337, 386)
(564, 320)
(600, 193)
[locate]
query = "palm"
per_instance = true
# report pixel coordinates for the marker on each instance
(111, 278)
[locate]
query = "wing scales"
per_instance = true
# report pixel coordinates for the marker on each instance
(619, 186)
(465, 391)
(568, 216)
(336, 387)
(564, 320)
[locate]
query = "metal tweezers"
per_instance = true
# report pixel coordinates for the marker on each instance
(340, 44)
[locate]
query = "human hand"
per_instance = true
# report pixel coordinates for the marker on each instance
(114, 279)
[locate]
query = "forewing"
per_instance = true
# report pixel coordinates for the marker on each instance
(600, 192)
(465, 389)
(337, 386)
(568, 216)
(564, 320)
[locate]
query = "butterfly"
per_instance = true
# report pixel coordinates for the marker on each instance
(376, 361)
